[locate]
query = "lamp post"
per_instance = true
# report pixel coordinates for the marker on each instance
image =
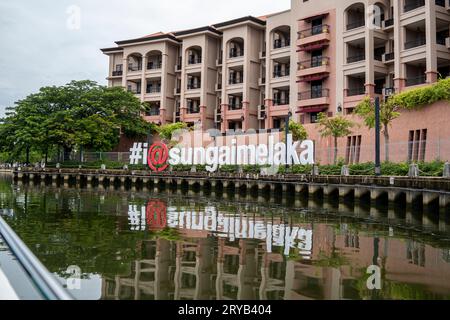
(377, 137)
(288, 119)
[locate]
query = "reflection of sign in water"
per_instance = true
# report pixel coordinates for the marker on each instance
(153, 215)
(231, 227)
(156, 214)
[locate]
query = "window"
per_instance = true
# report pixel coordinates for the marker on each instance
(417, 144)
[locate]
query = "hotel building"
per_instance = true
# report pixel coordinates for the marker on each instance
(319, 56)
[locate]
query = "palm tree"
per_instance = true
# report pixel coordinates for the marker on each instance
(336, 127)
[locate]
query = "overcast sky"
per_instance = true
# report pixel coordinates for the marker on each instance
(43, 44)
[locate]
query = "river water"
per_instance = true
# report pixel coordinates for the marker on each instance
(112, 243)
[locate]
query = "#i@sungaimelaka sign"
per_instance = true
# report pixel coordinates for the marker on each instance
(158, 156)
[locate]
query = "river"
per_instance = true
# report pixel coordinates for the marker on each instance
(112, 243)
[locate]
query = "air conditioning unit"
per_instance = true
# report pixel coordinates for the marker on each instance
(217, 116)
(262, 112)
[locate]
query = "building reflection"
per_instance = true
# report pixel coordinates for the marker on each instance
(257, 257)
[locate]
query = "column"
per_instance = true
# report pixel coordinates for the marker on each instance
(143, 82)
(125, 72)
(399, 76)
(430, 34)
(370, 58)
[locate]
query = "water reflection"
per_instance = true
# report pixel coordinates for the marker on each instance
(145, 245)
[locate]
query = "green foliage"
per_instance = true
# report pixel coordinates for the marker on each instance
(335, 127)
(416, 98)
(166, 131)
(80, 114)
(298, 131)
(388, 112)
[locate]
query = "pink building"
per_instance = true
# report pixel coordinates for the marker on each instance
(319, 56)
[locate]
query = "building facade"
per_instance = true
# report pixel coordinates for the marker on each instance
(319, 56)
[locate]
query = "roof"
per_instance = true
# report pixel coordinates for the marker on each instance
(240, 20)
(196, 30)
(152, 37)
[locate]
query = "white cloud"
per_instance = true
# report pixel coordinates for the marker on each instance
(38, 49)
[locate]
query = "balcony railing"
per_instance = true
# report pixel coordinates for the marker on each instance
(414, 81)
(193, 86)
(420, 41)
(153, 90)
(235, 106)
(440, 39)
(281, 73)
(314, 62)
(314, 94)
(235, 81)
(134, 67)
(389, 56)
(152, 112)
(177, 90)
(281, 43)
(134, 91)
(356, 58)
(358, 91)
(356, 24)
(234, 53)
(194, 60)
(154, 65)
(324, 28)
(413, 4)
(117, 73)
(280, 102)
(388, 23)
(193, 109)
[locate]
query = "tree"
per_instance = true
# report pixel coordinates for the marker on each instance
(335, 127)
(166, 131)
(388, 113)
(80, 114)
(298, 131)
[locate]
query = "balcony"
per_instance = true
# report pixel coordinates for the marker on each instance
(117, 73)
(357, 91)
(192, 60)
(261, 81)
(154, 65)
(440, 3)
(153, 112)
(317, 98)
(359, 23)
(415, 81)
(177, 116)
(412, 5)
(356, 58)
(177, 91)
(388, 24)
(134, 67)
(236, 53)
(420, 41)
(280, 102)
(233, 81)
(193, 86)
(152, 90)
(193, 109)
(134, 91)
(314, 38)
(441, 39)
(388, 57)
(314, 69)
(262, 55)
(447, 42)
(218, 86)
(281, 43)
(235, 106)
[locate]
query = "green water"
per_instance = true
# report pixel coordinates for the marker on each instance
(185, 245)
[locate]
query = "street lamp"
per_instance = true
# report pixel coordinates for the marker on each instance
(377, 137)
